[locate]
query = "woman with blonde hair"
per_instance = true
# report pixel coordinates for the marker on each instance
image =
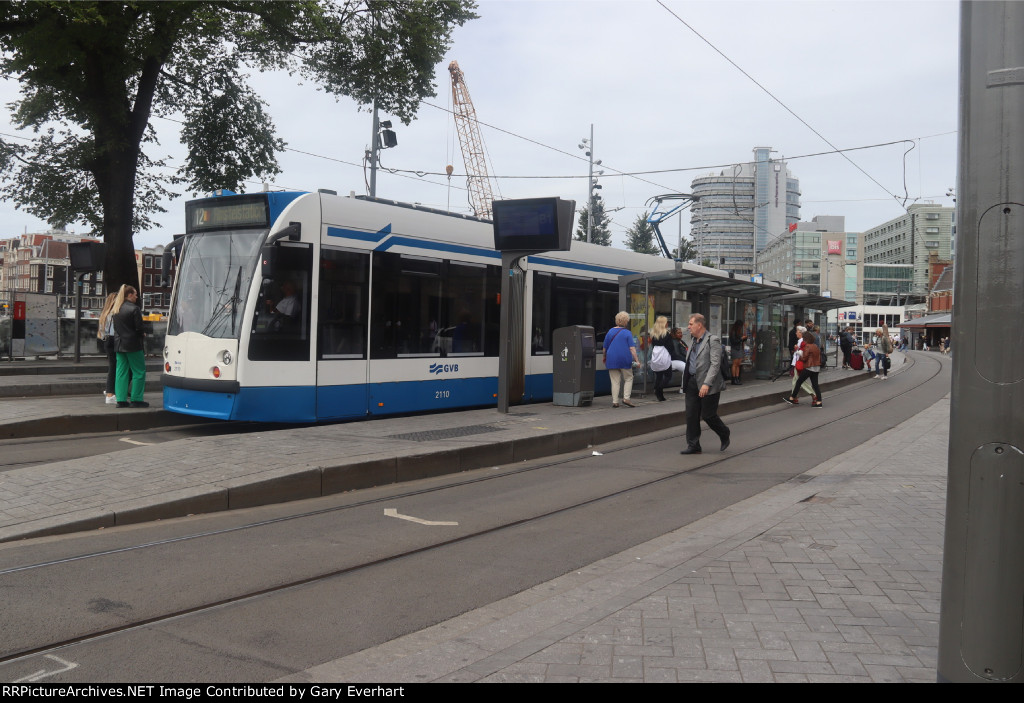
(131, 359)
(105, 331)
(619, 346)
(661, 356)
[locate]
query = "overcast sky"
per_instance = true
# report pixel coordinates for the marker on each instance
(659, 97)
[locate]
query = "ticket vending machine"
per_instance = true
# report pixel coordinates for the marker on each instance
(573, 364)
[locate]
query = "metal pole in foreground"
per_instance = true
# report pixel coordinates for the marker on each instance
(981, 625)
(511, 362)
(374, 149)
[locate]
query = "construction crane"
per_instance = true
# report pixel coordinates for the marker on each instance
(477, 180)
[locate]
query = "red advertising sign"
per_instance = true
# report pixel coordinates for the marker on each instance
(835, 246)
(19, 309)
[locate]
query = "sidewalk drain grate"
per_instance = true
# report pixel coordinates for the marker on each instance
(449, 433)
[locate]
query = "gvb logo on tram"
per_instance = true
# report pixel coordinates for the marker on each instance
(438, 369)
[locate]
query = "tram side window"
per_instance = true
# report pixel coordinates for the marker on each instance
(432, 307)
(465, 314)
(540, 340)
(605, 307)
(561, 301)
(344, 289)
(280, 324)
(406, 305)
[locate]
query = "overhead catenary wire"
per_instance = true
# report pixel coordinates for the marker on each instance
(784, 106)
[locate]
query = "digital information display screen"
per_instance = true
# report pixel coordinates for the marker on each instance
(532, 224)
(227, 213)
(527, 220)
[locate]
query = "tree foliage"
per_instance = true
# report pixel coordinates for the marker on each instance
(600, 233)
(93, 74)
(686, 252)
(640, 236)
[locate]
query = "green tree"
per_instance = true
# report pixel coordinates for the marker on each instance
(93, 74)
(640, 236)
(600, 233)
(686, 252)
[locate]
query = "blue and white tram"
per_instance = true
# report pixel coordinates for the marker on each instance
(304, 307)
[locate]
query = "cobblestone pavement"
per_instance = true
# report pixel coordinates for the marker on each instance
(835, 579)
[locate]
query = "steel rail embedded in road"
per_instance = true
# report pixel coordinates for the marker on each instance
(333, 573)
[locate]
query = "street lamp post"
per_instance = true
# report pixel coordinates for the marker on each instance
(592, 185)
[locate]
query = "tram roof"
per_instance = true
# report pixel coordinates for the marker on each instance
(690, 277)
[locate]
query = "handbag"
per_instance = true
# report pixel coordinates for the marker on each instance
(799, 364)
(725, 365)
(887, 363)
(661, 360)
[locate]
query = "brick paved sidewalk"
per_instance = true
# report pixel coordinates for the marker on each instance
(833, 579)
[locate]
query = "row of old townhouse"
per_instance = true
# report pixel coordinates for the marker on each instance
(40, 263)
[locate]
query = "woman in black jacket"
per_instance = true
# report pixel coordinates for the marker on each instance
(131, 359)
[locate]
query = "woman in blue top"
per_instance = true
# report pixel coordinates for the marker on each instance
(620, 358)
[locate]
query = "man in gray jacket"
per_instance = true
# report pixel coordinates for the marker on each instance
(703, 383)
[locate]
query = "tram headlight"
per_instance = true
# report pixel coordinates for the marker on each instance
(167, 352)
(226, 357)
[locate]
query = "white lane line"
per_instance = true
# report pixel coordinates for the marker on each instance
(391, 512)
(43, 673)
(141, 444)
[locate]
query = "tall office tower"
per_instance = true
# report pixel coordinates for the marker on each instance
(741, 210)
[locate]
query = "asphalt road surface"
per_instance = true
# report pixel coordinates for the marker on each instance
(253, 595)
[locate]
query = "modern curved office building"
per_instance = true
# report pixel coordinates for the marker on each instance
(740, 210)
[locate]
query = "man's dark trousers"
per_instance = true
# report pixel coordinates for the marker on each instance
(698, 409)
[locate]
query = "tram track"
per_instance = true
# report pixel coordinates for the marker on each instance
(296, 583)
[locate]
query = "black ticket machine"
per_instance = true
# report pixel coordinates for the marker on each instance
(573, 362)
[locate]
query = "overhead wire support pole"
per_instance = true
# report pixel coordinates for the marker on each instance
(477, 179)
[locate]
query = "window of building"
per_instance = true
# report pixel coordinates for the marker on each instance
(147, 262)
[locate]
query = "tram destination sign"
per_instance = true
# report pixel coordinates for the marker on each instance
(227, 213)
(533, 224)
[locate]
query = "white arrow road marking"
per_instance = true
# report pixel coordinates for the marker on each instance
(43, 673)
(132, 441)
(391, 512)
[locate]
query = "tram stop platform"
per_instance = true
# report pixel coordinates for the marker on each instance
(205, 474)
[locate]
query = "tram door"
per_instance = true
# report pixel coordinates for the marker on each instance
(342, 312)
(279, 383)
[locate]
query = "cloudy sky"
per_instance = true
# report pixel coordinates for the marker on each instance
(660, 98)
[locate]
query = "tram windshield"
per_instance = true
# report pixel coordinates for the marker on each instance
(213, 281)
